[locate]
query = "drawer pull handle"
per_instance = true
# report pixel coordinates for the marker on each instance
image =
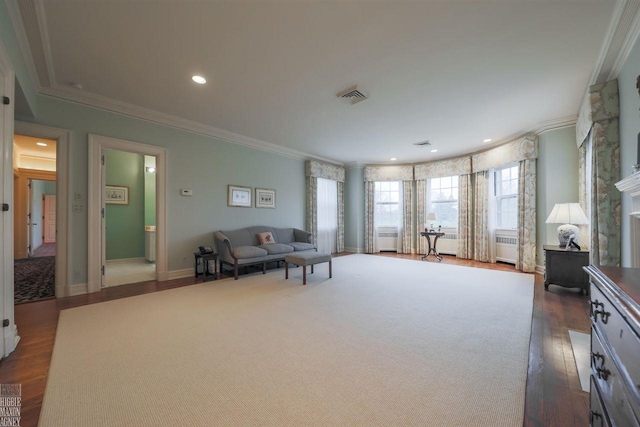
(602, 372)
(593, 416)
(594, 311)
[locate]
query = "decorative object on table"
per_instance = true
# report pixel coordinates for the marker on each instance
(431, 216)
(572, 243)
(238, 196)
(569, 215)
(116, 195)
(265, 198)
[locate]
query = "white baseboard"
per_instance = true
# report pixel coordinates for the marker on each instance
(354, 250)
(540, 269)
(179, 274)
(125, 260)
(11, 339)
(77, 289)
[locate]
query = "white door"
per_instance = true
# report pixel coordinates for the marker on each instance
(49, 218)
(30, 219)
(103, 224)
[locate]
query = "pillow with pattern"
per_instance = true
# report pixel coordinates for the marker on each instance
(266, 238)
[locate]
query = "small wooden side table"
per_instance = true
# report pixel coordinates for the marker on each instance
(564, 268)
(432, 249)
(206, 258)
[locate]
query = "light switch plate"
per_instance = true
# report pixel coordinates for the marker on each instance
(186, 192)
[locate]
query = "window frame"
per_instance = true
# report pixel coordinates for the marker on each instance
(500, 197)
(377, 202)
(429, 201)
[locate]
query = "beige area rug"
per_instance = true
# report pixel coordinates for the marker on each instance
(386, 342)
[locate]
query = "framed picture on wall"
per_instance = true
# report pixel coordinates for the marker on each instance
(116, 195)
(265, 198)
(238, 196)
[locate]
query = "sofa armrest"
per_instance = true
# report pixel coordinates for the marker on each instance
(302, 236)
(224, 247)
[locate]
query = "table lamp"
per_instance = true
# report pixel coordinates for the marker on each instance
(431, 216)
(569, 215)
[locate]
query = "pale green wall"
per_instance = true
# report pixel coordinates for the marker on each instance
(49, 188)
(629, 129)
(125, 223)
(354, 209)
(149, 192)
(557, 181)
(202, 164)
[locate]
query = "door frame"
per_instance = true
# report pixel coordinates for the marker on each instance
(97, 144)
(63, 213)
(21, 209)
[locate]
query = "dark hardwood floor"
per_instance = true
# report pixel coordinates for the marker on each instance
(553, 396)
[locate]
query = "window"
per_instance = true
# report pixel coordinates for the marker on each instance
(506, 192)
(387, 199)
(442, 198)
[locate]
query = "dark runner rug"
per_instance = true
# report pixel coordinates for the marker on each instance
(34, 279)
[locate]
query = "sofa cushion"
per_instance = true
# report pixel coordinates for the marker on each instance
(277, 248)
(266, 238)
(244, 252)
(299, 246)
(285, 235)
(254, 230)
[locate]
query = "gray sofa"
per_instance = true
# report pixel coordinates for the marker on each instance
(240, 248)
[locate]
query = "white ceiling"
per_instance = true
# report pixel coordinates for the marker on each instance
(453, 72)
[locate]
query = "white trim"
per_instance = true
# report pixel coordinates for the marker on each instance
(126, 260)
(63, 213)
(104, 103)
(77, 289)
(180, 274)
(41, 16)
(97, 144)
(23, 41)
(10, 335)
(540, 269)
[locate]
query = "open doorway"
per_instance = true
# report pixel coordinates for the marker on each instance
(34, 169)
(129, 222)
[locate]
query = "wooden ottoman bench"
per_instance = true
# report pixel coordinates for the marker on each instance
(304, 259)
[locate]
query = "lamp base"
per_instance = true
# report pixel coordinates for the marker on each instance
(564, 232)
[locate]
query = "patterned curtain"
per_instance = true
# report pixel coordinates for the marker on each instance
(407, 219)
(465, 217)
(421, 197)
(584, 230)
(527, 216)
(312, 207)
(369, 206)
(606, 216)
(340, 236)
(481, 223)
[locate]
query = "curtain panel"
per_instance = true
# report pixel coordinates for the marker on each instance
(340, 236)
(312, 207)
(325, 170)
(369, 206)
(606, 215)
(421, 189)
(601, 102)
(407, 219)
(512, 152)
(527, 216)
(465, 217)
(481, 218)
(584, 230)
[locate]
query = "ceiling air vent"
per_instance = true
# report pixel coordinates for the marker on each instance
(422, 144)
(354, 94)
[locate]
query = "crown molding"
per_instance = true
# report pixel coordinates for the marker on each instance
(126, 109)
(23, 42)
(354, 165)
(43, 28)
(623, 31)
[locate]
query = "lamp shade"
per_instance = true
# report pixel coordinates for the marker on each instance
(432, 216)
(567, 213)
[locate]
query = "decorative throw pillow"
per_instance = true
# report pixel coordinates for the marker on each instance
(266, 238)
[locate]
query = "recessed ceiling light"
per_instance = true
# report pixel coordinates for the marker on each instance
(434, 150)
(393, 158)
(487, 140)
(41, 144)
(199, 79)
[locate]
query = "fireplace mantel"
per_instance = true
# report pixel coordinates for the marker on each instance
(631, 186)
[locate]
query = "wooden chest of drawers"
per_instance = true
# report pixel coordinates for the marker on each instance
(615, 346)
